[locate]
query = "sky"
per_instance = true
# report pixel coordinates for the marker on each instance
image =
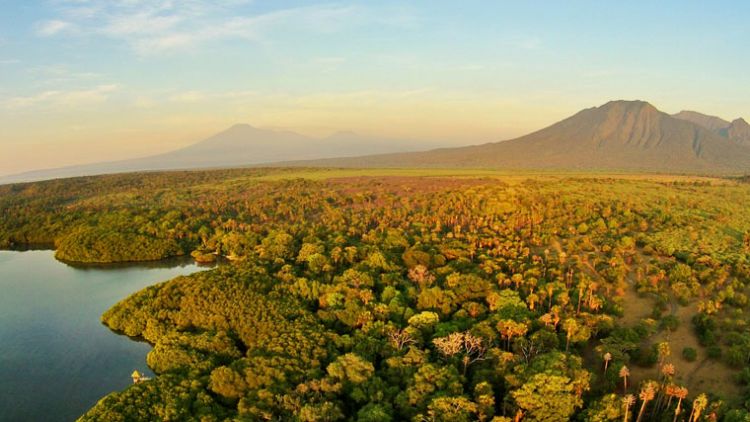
(94, 80)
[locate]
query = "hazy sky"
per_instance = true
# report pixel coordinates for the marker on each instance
(90, 80)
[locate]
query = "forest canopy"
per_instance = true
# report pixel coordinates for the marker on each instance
(517, 298)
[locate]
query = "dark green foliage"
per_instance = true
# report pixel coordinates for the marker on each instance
(669, 322)
(689, 354)
(714, 351)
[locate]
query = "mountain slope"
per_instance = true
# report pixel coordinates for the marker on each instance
(738, 130)
(620, 135)
(711, 123)
(240, 145)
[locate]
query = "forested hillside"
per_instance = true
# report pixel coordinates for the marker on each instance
(508, 298)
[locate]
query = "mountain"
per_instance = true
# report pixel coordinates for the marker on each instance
(240, 145)
(619, 135)
(738, 130)
(711, 123)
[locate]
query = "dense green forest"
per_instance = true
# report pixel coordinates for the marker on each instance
(421, 297)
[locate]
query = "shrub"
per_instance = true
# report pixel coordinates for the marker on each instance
(670, 322)
(689, 354)
(646, 356)
(714, 352)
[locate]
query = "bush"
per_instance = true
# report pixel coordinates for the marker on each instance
(714, 352)
(646, 356)
(736, 357)
(689, 354)
(743, 377)
(669, 322)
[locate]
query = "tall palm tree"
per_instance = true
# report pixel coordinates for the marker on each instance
(699, 404)
(607, 357)
(670, 391)
(627, 402)
(680, 393)
(648, 392)
(667, 372)
(624, 374)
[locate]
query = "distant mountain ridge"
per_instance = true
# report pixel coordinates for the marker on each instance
(619, 135)
(237, 146)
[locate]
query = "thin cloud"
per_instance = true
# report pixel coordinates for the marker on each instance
(58, 98)
(150, 28)
(52, 27)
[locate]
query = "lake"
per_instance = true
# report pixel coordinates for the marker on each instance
(56, 358)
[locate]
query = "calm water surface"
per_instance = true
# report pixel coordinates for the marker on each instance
(56, 358)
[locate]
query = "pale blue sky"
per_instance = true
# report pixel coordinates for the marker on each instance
(87, 80)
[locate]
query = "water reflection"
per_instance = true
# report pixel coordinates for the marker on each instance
(56, 358)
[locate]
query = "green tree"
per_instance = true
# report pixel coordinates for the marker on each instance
(608, 408)
(277, 246)
(548, 398)
(451, 409)
(350, 368)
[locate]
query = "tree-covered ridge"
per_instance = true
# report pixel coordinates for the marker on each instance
(422, 298)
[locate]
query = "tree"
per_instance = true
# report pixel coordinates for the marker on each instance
(450, 409)
(374, 412)
(228, 383)
(699, 405)
(350, 368)
(436, 299)
(681, 393)
(509, 329)
(277, 246)
(429, 380)
(421, 275)
(314, 412)
(507, 301)
(608, 408)
(546, 397)
(664, 351)
(400, 338)
(607, 358)
(627, 402)
(484, 397)
(648, 392)
(624, 374)
(424, 320)
(472, 347)
(574, 332)
(355, 279)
